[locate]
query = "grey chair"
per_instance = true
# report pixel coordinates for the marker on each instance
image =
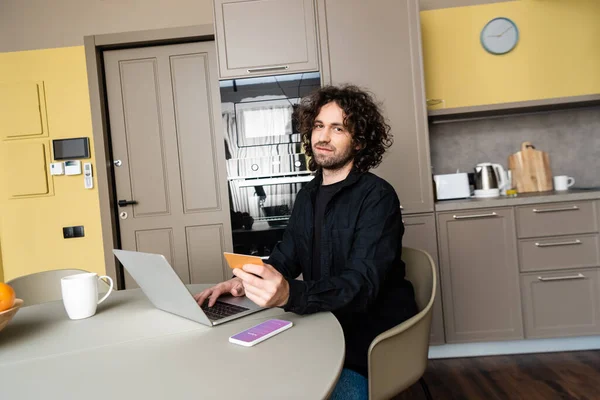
(398, 357)
(43, 287)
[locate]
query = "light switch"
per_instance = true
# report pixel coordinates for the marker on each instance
(70, 232)
(78, 231)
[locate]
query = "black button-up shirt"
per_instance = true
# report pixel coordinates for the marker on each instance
(362, 274)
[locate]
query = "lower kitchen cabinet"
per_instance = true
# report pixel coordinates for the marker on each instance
(561, 303)
(480, 276)
(559, 252)
(420, 234)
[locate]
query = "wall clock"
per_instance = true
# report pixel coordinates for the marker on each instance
(499, 36)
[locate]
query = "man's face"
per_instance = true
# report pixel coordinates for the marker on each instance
(331, 142)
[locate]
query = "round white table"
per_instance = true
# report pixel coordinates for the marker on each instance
(131, 350)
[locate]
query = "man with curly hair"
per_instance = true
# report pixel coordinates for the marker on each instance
(344, 235)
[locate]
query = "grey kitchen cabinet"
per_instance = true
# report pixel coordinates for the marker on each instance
(561, 303)
(265, 37)
(558, 236)
(560, 279)
(378, 47)
(420, 233)
(480, 276)
(559, 252)
(553, 219)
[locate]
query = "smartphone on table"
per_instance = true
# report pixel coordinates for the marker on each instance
(260, 332)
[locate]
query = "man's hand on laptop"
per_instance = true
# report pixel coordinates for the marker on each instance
(233, 286)
(273, 290)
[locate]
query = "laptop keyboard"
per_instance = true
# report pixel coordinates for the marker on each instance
(222, 310)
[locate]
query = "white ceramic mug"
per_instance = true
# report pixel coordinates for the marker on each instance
(563, 182)
(80, 294)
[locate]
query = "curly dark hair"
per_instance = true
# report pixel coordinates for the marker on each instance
(362, 117)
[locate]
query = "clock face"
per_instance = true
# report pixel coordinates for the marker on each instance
(499, 36)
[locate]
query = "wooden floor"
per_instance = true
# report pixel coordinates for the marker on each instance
(572, 375)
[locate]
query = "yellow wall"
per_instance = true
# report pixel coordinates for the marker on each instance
(558, 53)
(1, 269)
(31, 229)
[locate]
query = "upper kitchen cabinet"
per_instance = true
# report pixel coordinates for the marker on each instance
(556, 55)
(378, 47)
(265, 37)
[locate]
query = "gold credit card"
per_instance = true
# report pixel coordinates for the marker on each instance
(239, 260)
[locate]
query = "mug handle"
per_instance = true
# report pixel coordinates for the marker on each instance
(109, 289)
(570, 181)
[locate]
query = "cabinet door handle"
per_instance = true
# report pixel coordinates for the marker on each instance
(493, 214)
(413, 224)
(559, 243)
(546, 210)
(562, 278)
(266, 69)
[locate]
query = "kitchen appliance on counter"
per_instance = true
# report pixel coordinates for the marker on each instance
(490, 179)
(530, 169)
(452, 186)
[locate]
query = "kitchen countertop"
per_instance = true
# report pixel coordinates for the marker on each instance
(521, 199)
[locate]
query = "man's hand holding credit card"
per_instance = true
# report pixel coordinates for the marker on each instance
(233, 286)
(260, 282)
(239, 260)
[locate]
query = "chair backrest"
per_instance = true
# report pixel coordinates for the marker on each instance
(398, 357)
(43, 287)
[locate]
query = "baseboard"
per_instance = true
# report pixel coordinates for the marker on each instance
(514, 347)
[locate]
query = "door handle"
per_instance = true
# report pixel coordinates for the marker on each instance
(562, 278)
(125, 203)
(547, 210)
(266, 69)
(558, 243)
(492, 214)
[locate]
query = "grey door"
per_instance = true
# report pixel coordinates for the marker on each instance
(169, 157)
(480, 275)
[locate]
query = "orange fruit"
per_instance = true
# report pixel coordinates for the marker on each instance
(7, 297)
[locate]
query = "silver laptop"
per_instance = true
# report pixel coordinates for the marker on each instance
(166, 291)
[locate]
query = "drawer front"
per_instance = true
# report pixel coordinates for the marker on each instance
(562, 303)
(557, 219)
(559, 252)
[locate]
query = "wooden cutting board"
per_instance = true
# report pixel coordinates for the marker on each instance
(530, 170)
